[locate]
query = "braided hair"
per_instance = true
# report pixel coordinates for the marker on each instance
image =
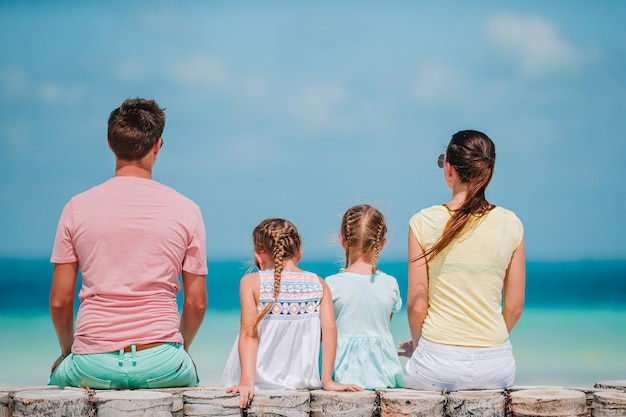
(280, 238)
(363, 228)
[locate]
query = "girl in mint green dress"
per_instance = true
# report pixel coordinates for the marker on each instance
(365, 299)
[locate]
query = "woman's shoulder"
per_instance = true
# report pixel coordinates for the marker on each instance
(439, 208)
(505, 213)
(430, 214)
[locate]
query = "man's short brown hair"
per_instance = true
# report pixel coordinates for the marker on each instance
(134, 128)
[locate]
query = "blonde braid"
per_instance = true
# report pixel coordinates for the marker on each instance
(377, 240)
(282, 239)
(347, 236)
(363, 228)
(266, 231)
(279, 263)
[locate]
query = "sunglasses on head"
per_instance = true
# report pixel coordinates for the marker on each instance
(440, 160)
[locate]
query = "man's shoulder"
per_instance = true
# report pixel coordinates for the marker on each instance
(91, 191)
(172, 193)
(134, 186)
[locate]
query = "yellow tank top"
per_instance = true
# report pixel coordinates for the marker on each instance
(465, 280)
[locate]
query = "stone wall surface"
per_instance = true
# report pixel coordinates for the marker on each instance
(605, 399)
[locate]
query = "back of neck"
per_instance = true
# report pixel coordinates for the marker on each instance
(132, 169)
(360, 266)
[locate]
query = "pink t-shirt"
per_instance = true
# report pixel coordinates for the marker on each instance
(131, 237)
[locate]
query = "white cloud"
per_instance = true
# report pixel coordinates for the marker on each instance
(52, 93)
(254, 86)
(436, 83)
(201, 71)
(317, 105)
(247, 150)
(129, 70)
(14, 83)
(311, 107)
(167, 19)
(534, 44)
(17, 137)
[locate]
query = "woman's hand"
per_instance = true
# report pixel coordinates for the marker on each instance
(57, 362)
(246, 392)
(336, 386)
(406, 348)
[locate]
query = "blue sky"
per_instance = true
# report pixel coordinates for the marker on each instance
(302, 109)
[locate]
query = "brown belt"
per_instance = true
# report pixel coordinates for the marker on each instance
(142, 347)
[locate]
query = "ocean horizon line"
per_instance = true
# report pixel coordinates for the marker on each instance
(25, 283)
(337, 259)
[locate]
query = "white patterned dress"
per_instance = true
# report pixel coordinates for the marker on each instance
(289, 335)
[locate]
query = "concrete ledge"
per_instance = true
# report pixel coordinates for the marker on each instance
(605, 399)
(609, 404)
(409, 403)
(548, 402)
(216, 402)
(4, 404)
(491, 403)
(340, 404)
(614, 384)
(133, 403)
(50, 402)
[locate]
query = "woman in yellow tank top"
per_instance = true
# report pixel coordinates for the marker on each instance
(466, 279)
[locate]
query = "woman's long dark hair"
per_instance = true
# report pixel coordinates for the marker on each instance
(472, 155)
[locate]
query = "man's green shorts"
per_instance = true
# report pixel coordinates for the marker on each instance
(164, 366)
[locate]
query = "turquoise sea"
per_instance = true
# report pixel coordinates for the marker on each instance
(572, 332)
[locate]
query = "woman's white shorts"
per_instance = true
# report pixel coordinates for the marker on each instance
(437, 367)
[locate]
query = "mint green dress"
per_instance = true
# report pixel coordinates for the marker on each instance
(366, 352)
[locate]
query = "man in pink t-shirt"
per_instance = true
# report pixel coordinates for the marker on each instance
(131, 237)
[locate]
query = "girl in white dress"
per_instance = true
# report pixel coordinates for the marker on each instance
(285, 314)
(364, 300)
